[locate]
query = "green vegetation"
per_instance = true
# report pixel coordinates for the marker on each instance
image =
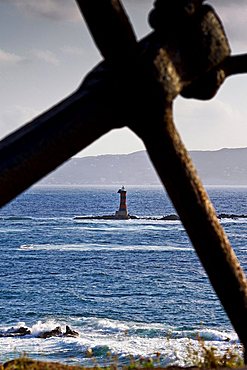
(208, 357)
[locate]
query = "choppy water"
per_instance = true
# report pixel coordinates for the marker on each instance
(129, 287)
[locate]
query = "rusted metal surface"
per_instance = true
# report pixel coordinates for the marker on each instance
(136, 86)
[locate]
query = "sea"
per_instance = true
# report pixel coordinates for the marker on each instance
(131, 288)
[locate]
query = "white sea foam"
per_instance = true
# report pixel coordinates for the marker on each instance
(143, 223)
(123, 338)
(130, 338)
(27, 246)
(103, 247)
(5, 230)
(233, 220)
(48, 325)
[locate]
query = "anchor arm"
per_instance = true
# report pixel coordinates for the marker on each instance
(46, 142)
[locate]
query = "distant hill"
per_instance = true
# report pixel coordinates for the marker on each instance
(221, 167)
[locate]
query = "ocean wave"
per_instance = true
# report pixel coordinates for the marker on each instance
(5, 230)
(43, 326)
(26, 246)
(123, 225)
(160, 330)
(142, 339)
(34, 219)
(103, 247)
(207, 334)
(121, 338)
(16, 218)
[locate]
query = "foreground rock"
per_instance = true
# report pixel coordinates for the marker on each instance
(70, 333)
(16, 332)
(56, 332)
(231, 216)
(171, 217)
(130, 217)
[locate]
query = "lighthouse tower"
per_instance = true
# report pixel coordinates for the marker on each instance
(122, 213)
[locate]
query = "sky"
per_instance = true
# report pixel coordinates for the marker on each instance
(46, 51)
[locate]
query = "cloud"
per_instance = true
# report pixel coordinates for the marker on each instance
(53, 9)
(210, 125)
(211, 112)
(45, 56)
(10, 58)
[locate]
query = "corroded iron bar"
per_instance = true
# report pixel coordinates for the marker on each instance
(110, 28)
(235, 64)
(39, 147)
(177, 173)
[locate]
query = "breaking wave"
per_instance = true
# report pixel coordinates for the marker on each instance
(103, 247)
(121, 338)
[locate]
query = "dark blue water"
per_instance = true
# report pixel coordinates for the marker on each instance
(129, 287)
